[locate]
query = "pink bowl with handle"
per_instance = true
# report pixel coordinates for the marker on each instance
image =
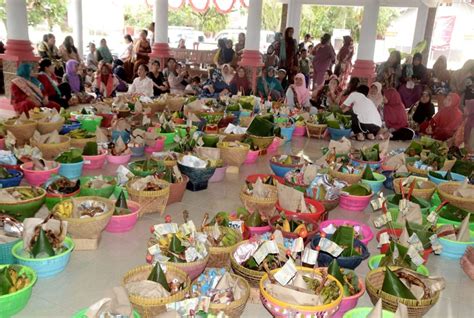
(365, 231)
(350, 302)
(252, 157)
(94, 162)
(37, 177)
(354, 203)
(299, 131)
(252, 231)
(119, 160)
(124, 223)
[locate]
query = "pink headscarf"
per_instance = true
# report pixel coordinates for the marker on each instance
(302, 93)
(394, 112)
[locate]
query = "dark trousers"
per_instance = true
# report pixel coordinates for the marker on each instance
(358, 127)
(403, 134)
(62, 100)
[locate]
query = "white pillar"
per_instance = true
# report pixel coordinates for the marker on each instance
(17, 22)
(293, 18)
(78, 34)
(254, 25)
(368, 31)
(420, 26)
(161, 21)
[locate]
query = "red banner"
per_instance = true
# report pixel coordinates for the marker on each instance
(200, 6)
(442, 33)
(224, 6)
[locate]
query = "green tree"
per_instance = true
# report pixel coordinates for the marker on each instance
(138, 16)
(271, 18)
(54, 12)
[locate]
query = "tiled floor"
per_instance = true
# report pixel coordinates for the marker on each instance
(90, 274)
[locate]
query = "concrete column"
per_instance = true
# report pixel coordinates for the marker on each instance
(420, 26)
(364, 66)
(78, 34)
(251, 57)
(161, 49)
(293, 18)
(428, 34)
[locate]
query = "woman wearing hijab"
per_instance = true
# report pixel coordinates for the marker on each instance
(414, 78)
(297, 95)
(395, 116)
(59, 93)
(227, 73)
(26, 91)
(76, 82)
(103, 52)
(323, 58)
(344, 60)
(141, 50)
(215, 86)
(240, 83)
(422, 111)
(268, 87)
(48, 50)
(444, 124)
(175, 79)
(389, 72)
(375, 94)
(288, 54)
(67, 50)
(105, 83)
(327, 97)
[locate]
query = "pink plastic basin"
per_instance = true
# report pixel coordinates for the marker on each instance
(252, 157)
(94, 162)
(274, 145)
(119, 160)
(354, 203)
(299, 131)
(124, 223)
(366, 232)
(37, 178)
(309, 217)
(252, 231)
(348, 303)
(159, 146)
(218, 175)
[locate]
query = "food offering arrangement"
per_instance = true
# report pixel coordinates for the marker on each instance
(263, 223)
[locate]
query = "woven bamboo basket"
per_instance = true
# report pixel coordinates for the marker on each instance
(446, 190)
(150, 201)
(416, 308)
(175, 104)
(22, 131)
(234, 156)
(219, 256)
(88, 228)
(347, 177)
(167, 163)
(231, 137)
(51, 151)
(253, 277)
(262, 142)
(237, 307)
(37, 116)
(265, 206)
(315, 130)
(193, 269)
(419, 193)
(81, 143)
(208, 153)
(417, 171)
(149, 307)
(245, 121)
(157, 106)
(47, 127)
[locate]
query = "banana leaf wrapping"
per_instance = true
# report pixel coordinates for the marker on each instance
(422, 232)
(358, 189)
(453, 213)
(403, 260)
(371, 153)
(262, 126)
(368, 174)
(463, 167)
(71, 156)
(158, 276)
(344, 237)
(90, 149)
(393, 285)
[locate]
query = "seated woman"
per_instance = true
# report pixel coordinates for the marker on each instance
(351, 87)
(227, 73)
(175, 78)
(328, 96)
(268, 87)
(194, 88)
(465, 133)
(76, 82)
(283, 78)
(160, 86)
(59, 93)
(105, 83)
(395, 116)
(366, 121)
(26, 91)
(375, 95)
(444, 124)
(118, 70)
(215, 85)
(240, 83)
(414, 77)
(421, 112)
(297, 95)
(142, 85)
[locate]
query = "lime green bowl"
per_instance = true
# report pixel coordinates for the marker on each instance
(169, 137)
(375, 185)
(362, 312)
(13, 303)
(181, 130)
(105, 192)
(82, 314)
(374, 262)
(154, 167)
(24, 209)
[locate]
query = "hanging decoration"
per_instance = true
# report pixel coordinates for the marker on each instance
(224, 6)
(244, 3)
(176, 4)
(200, 6)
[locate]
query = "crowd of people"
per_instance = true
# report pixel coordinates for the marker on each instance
(398, 104)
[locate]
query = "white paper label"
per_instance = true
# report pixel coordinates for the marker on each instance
(216, 232)
(432, 217)
(236, 225)
(415, 256)
(384, 239)
(330, 247)
(286, 273)
(435, 245)
(414, 241)
(87, 162)
(310, 256)
(188, 227)
(268, 247)
(155, 249)
(382, 220)
(165, 228)
(278, 237)
(298, 245)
